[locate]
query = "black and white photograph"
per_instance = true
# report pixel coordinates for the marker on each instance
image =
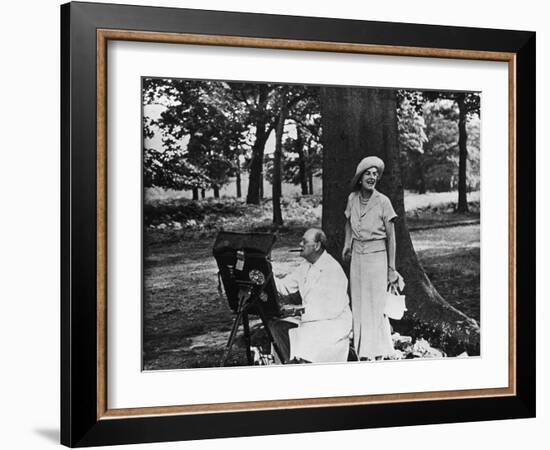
(275, 225)
(308, 224)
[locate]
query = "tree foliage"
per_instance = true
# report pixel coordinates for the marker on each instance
(202, 133)
(302, 149)
(428, 124)
(211, 130)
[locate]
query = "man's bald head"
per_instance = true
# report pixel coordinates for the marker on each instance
(313, 244)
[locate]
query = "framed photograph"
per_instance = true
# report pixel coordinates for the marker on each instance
(278, 224)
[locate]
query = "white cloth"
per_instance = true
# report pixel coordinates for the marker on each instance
(325, 327)
(371, 327)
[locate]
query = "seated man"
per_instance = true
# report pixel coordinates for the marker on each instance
(322, 334)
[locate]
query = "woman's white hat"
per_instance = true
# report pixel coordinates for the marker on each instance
(367, 163)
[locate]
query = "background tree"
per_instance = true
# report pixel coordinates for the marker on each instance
(200, 128)
(411, 137)
(306, 117)
(288, 97)
(277, 156)
(236, 134)
(441, 149)
(441, 152)
(358, 122)
(303, 157)
(170, 167)
(258, 100)
(468, 104)
(429, 142)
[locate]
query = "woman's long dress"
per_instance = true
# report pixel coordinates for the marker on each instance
(369, 273)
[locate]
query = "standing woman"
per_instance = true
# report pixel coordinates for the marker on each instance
(370, 241)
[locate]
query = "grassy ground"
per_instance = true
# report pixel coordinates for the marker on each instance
(186, 322)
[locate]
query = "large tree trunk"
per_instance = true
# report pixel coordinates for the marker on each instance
(358, 122)
(299, 147)
(310, 172)
(277, 158)
(256, 165)
(462, 154)
(216, 190)
(238, 178)
(203, 193)
(195, 193)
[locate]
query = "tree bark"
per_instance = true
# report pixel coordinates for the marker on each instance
(195, 193)
(238, 178)
(256, 165)
(462, 155)
(277, 158)
(262, 184)
(358, 122)
(216, 190)
(299, 147)
(310, 172)
(203, 193)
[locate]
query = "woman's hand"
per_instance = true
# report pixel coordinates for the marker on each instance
(396, 284)
(393, 289)
(346, 254)
(393, 276)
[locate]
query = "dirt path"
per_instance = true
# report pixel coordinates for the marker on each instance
(441, 241)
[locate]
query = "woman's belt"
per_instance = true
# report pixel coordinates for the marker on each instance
(378, 245)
